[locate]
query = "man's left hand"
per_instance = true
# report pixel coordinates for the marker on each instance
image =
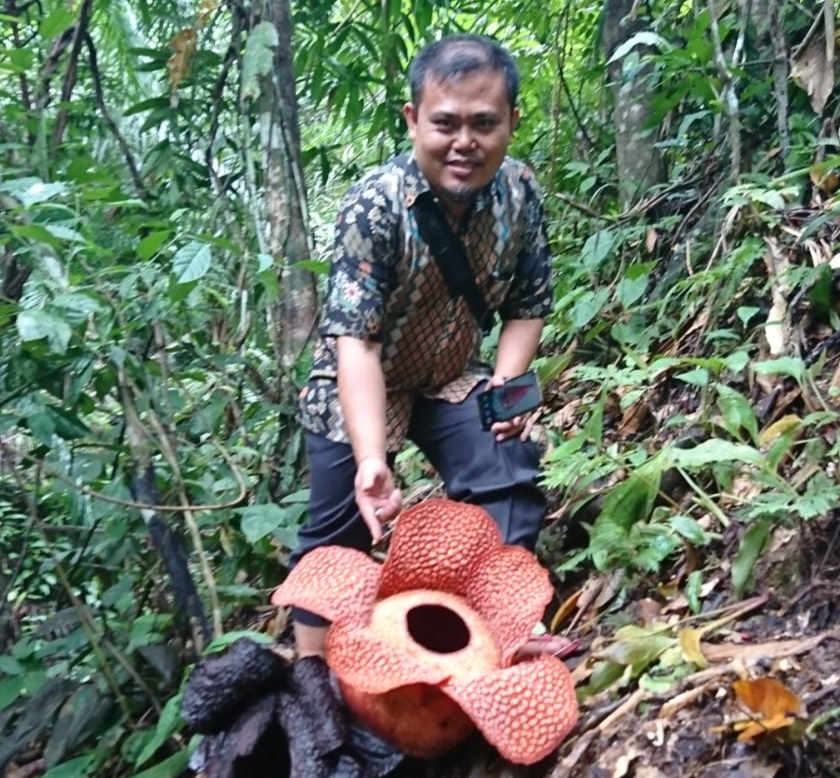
(518, 426)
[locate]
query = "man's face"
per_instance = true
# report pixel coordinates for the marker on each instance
(461, 131)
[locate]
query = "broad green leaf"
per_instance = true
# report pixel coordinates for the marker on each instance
(737, 412)
(790, 366)
(75, 768)
(258, 59)
(9, 665)
(31, 191)
(697, 377)
(56, 22)
(39, 325)
(636, 646)
(151, 244)
(66, 424)
(643, 38)
(173, 767)
(10, 690)
(712, 451)
(689, 528)
(259, 521)
(589, 306)
(316, 266)
(191, 262)
(223, 641)
(751, 546)
(597, 248)
(167, 724)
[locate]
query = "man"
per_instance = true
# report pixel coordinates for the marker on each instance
(397, 354)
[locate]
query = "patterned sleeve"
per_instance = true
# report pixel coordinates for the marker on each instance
(365, 245)
(531, 295)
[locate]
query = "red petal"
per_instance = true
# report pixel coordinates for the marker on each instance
(369, 664)
(525, 711)
(510, 589)
(333, 582)
(435, 546)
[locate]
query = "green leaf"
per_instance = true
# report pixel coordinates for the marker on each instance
(191, 262)
(689, 528)
(737, 412)
(150, 245)
(751, 546)
(38, 325)
(596, 248)
(697, 377)
(790, 366)
(10, 690)
(66, 424)
(9, 665)
(258, 59)
(317, 266)
(56, 22)
(173, 767)
(589, 306)
(167, 724)
(75, 768)
(636, 646)
(223, 641)
(259, 521)
(643, 38)
(712, 451)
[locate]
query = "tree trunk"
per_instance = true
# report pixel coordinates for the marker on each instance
(638, 161)
(284, 194)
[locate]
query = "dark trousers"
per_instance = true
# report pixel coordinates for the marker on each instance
(475, 468)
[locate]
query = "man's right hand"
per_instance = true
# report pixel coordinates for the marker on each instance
(377, 497)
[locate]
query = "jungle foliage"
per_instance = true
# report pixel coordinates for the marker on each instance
(147, 391)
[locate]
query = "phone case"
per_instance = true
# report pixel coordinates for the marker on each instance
(516, 396)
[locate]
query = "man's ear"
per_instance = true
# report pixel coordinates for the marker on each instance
(410, 114)
(514, 119)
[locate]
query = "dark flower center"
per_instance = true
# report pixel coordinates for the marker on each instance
(437, 628)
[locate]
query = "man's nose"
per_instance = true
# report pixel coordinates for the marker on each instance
(464, 137)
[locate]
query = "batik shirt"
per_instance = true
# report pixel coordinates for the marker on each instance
(386, 287)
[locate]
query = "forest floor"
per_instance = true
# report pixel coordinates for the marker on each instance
(694, 723)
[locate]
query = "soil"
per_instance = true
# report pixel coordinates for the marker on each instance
(690, 729)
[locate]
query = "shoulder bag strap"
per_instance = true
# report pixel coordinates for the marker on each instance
(451, 258)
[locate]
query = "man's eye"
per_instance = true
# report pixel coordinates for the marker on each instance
(443, 124)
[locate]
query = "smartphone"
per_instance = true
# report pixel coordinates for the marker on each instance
(514, 397)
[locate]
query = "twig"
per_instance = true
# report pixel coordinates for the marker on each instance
(70, 74)
(109, 120)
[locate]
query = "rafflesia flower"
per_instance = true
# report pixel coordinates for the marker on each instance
(423, 645)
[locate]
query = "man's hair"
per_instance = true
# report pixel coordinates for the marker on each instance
(456, 56)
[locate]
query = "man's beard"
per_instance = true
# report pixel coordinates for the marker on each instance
(460, 194)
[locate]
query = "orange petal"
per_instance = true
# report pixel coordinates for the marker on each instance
(510, 589)
(369, 664)
(333, 582)
(525, 711)
(435, 546)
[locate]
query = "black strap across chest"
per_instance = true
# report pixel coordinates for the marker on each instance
(451, 258)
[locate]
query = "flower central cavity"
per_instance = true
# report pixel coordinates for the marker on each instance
(437, 628)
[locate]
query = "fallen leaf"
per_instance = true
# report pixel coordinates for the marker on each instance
(777, 429)
(690, 644)
(767, 696)
(749, 654)
(812, 67)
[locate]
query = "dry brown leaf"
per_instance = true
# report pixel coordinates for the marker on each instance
(184, 46)
(756, 652)
(812, 67)
(768, 697)
(650, 240)
(565, 610)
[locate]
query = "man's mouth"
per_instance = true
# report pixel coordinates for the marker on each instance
(461, 167)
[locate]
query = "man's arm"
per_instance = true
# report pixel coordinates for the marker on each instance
(361, 392)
